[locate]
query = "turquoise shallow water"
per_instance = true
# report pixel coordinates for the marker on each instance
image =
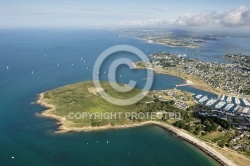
(31, 140)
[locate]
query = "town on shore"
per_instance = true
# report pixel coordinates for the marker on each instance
(224, 120)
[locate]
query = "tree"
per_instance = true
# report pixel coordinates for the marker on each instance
(189, 128)
(181, 124)
(221, 143)
(112, 123)
(172, 102)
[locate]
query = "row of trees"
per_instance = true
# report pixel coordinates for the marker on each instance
(207, 124)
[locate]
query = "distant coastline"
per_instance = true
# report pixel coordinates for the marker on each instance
(169, 45)
(151, 41)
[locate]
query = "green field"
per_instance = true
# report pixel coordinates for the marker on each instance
(78, 105)
(213, 135)
(77, 98)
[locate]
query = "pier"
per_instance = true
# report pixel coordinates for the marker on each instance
(222, 98)
(182, 85)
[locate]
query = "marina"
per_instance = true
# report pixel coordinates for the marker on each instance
(225, 103)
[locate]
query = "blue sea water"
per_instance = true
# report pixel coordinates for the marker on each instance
(40, 60)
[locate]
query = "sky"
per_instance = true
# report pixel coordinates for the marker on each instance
(124, 14)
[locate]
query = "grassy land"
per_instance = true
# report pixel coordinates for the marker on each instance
(213, 135)
(79, 98)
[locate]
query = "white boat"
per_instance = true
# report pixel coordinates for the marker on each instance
(246, 102)
(220, 104)
(223, 97)
(236, 108)
(208, 102)
(203, 99)
(198, 96)
(245, 110)
(229, 99)
(215, 100)
(211, 102)
(228, 107)
(237, 100)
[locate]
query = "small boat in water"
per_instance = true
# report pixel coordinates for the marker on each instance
(198, 96)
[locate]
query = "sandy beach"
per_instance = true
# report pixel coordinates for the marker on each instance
(180, 133)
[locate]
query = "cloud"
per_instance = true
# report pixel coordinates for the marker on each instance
(237, 17)
(197, 19)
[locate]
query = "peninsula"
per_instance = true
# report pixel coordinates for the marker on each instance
(83, 97)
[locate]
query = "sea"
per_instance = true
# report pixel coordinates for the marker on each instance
(35, 61)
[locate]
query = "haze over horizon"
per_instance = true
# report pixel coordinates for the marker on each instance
(112, 14)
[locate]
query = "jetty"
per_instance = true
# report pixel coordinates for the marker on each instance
(220, 104)
(198, 96)
(228, 107)
(203, 99)
(237, 100)
(236, 108)
(229, 99)
(210, 102)
(245, 110)
(246, 102)
(223, 97)
(182, 85)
